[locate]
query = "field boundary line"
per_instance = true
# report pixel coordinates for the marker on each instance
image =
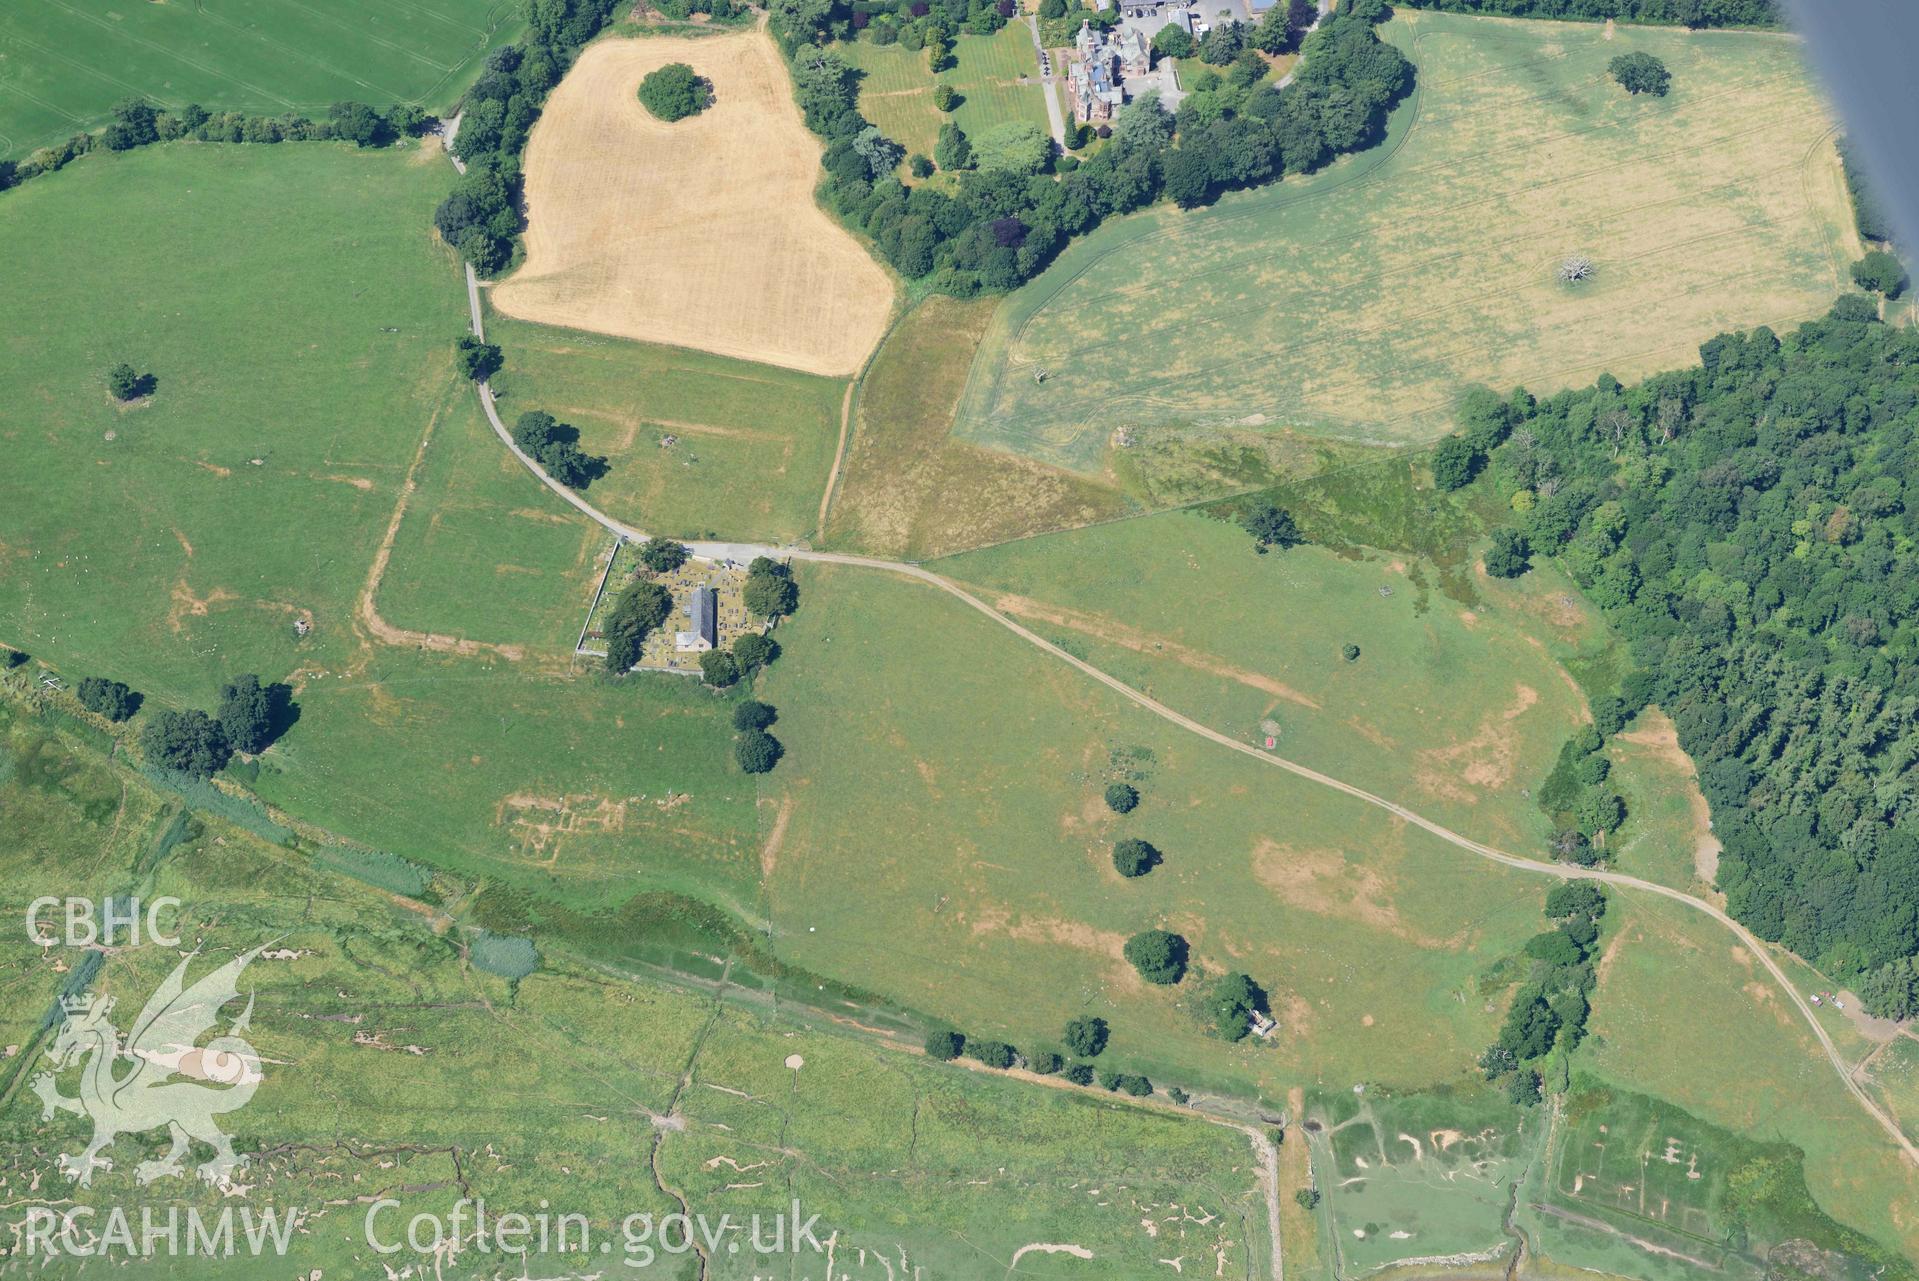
(839, 451)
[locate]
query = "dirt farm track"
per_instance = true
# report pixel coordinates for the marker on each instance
(699, 234)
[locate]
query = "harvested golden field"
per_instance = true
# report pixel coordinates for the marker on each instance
(700, 234)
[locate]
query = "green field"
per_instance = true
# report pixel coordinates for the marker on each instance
(896, 86)
(394, 1067)
(326, 356)
(64, 63)
(173, 542)
(1454, 706)
(1356, 303)
(477, 526)
(755, 443)
(942, 791)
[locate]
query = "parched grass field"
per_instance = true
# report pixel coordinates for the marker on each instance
(936, 834)
(1455, 707)
(1355, 304)
(754, 445)
(64, 63)
(702, 233)
(394, 1066)
(896, 86)
(907, 488)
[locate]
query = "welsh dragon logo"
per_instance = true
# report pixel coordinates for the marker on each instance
(160, 1077)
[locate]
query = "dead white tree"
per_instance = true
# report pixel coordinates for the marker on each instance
(1576, 270)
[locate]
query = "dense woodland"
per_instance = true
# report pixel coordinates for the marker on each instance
(1751, 526)
(1010, 216)
(1681, 13)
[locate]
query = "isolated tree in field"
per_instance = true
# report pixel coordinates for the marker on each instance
(1270, 526)
(1349, 652)
(1122, 798)
(945, 97)
(1079, 1073)
(1510, 555)
(753, 714)
(994, 1054)
(1880, 273)
(944, 1045)
(478, 360)
(1234, 1000)
(757, 751)
(534, 429)
(636, 614)
(124, 382)
(110, 699)
(770, 589)
(1131, 1083)
(12, 658)
(718, 669)
(754, 651)
(1134, 857)
(190, 742)
(1455, 463)
(1307, 1198)
(674, 92)
(1158, 955)
(663, 555)
(1640, 73)
(1086, 1036)
(920, 167)
(246, 714)
(555, 447)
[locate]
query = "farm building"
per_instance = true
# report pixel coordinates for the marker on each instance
(703, 622)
